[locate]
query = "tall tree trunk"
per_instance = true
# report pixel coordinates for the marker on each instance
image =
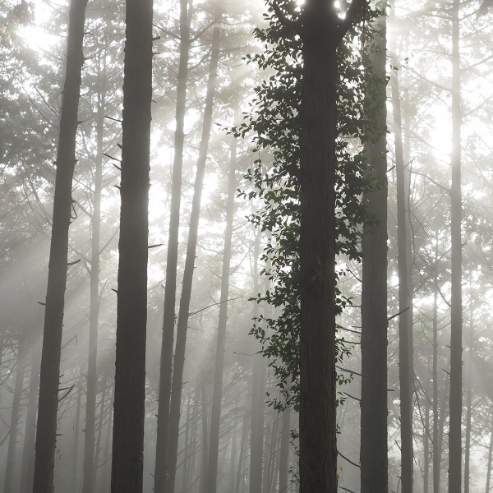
(166, 368)
(241, 458)
(75, 444)
(9, 478)
(426, 448)
(205, 439)
(89, 474)
(186, 294)
(217, 393)
(436, 416)
(406, 371)
(129, 400)
(469, 407)
(455, 440)
(46, 430)
(374, 462)
(257, 423)
(490, 456)
(27, 468)
(284, 452)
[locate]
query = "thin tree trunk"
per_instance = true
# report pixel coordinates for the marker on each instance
(46, 430)
(490, 455)
(467, 446)
(9, 478)
(166, 370)
(186, 294)
(27, 468)
(241, 458)
(436, 416)
(89, 474)
(455, 403)
(374, 462)
(426, 448)
(205, 439)
(129, 401)
(405, 296)
(284, 452)
(75, 444)
(257, 423)
(217, 393)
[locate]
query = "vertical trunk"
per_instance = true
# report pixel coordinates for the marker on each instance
(490, 455)
(436, 417)
(284, 452)
(205, 439)
(257, 423)
(27, 468)
(187, 453)
(9, 479)
(57, 271)
(318, 452)
(89, 472)
(467, 447)
(182, 326)
(75, 444)
(217, 393)
(405, 296)
(129, 409)
(426, 449)
(100, 428)
(241, 458)
(455, 440)
(166, 369)
(374, 462)
(271, 455)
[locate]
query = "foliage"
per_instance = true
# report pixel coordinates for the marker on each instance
(273, 181)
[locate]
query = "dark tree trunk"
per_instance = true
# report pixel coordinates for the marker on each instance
(374, 462)
(57, 271)
(166, 369)
(322, 31)
(406, 371)
(217, 393)
(186, 294)
(284, 452)
(89, 473)
(455, 435)
(129, 400)
(27, 468)
(9, 478)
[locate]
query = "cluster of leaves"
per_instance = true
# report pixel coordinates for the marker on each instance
(273, 181)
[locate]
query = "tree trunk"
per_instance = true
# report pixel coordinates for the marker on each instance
(27, 468)
(217, 393)
(455, 436)
(490, 455)
(75, 444)
(129, 400)
(182, 326)
(436, 416)
(205, 439)
(166, 370)
(89, 473)
(257, 423)
(426, 448)
(9, 478)
(469, 407)
(406, 371)
(374, 462)
(284, 452)
(57, 271)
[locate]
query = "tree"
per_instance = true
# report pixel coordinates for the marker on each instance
(374, 461)
(166, 368)
(129, 412)
(322, 32)
(57, 272)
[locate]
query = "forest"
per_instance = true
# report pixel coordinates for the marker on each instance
(246, 246)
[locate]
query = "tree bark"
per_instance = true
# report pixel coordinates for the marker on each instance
(186, 294)
(406, 371)
(57, 271)
(436, 411)
(374, 462)
(166, 369)
(455, 403)
(490, 455)
(217, 393)
(129, 400)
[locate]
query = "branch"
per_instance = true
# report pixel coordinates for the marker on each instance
(354, 14)
(290, 26)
